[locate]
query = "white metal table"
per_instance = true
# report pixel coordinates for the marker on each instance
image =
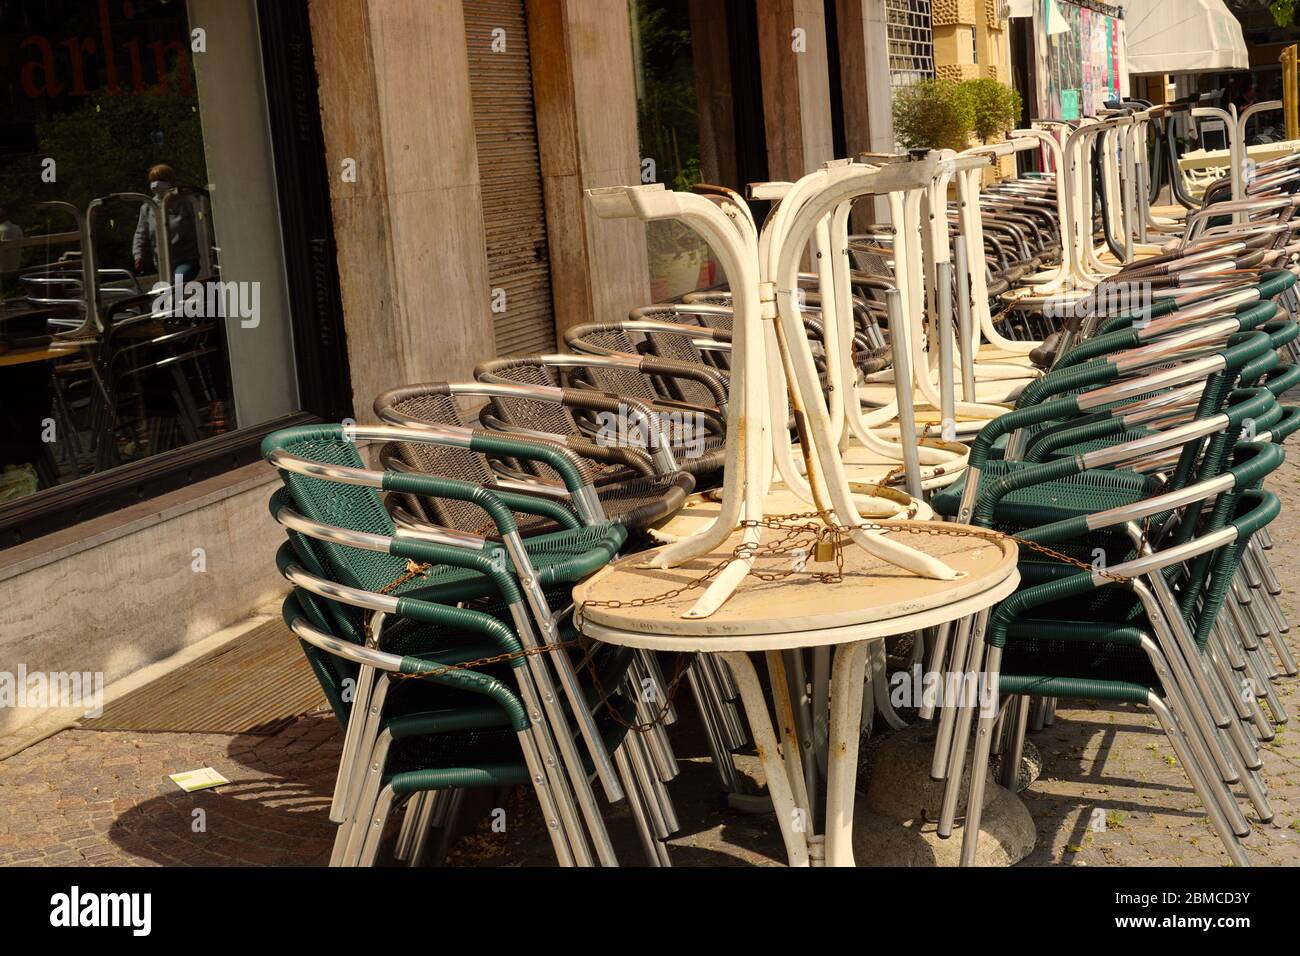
(872, 601)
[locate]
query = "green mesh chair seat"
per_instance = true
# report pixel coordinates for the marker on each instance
(1088, 646)
(1104, 607)
(561, 559)
(479, 757)
(1034, 566)
(1099, 661)
(1077, 688)
(558, 557)
(464, 727)
(1050, 501)
(455, 761)
(439, 645)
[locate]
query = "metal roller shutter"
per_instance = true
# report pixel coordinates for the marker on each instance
(514, 215)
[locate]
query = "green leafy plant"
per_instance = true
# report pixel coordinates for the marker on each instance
(667, 118)
(996, 105)
(933, 114)
(1283, 11)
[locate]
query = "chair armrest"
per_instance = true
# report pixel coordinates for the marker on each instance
(464, 679)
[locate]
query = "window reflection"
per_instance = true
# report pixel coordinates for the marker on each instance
(116, 320)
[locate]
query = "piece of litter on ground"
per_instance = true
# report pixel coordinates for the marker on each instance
(192, 780)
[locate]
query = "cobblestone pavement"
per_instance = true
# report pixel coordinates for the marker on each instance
(104, 798)
(85, 797)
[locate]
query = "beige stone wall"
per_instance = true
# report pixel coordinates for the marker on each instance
(115, 594)
(945, 13)
(395, 101)
(796, 87)
(971, 42)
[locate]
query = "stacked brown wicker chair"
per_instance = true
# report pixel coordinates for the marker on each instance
(694, 440)
(636, 501)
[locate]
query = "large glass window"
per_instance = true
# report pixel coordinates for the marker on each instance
(669, 127)
(142, 270)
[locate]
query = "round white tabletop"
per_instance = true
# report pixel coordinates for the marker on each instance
(873, 599)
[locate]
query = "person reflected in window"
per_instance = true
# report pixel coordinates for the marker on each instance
(182, 234)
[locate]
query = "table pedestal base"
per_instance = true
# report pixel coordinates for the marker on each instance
(892, 829)
(889, 827)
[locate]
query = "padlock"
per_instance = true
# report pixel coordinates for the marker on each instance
(825, 550)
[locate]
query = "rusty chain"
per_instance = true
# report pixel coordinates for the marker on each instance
(416, 569)
(836, 533)
(799, 532)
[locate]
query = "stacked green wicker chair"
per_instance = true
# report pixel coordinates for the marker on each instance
(448, 599)
(1130, 420)
(1045, 408)
(1075, 489)
(1140, 631)
(634, 503)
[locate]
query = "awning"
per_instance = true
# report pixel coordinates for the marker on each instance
(1187, 36)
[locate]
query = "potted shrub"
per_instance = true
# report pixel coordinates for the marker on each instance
(996, 108)
(676, 254)
(933, 114)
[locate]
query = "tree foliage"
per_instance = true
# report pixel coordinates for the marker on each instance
(942, 114)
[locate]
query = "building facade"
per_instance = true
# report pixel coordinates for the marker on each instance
(378, 192)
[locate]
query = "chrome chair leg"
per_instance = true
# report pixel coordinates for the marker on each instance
(980, 768)
(424, 825)
(948, 680)
(965, 712)
(406, 835)
(1016, 744)
(705, 706)
(1202, 786)
(733, 721)
(375, 830)
(636, 802)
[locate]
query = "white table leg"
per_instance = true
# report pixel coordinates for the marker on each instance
(802, 776)
(791, 818)
(847, 677)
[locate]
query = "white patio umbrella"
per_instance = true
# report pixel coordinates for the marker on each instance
(1188, 36)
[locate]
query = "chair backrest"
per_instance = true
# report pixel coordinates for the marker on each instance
(624, 382)
(680, 348)
(521, 412)
(446, 461)
(335, 675)
(352, 507)
(1209, 577)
